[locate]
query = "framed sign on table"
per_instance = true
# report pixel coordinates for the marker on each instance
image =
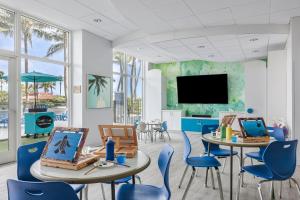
(98, 91)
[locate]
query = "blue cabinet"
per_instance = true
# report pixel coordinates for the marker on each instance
(195, 124)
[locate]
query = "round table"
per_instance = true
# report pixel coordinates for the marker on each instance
(215, 140)
(99, 175)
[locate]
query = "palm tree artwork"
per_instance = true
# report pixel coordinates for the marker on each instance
(99, 94)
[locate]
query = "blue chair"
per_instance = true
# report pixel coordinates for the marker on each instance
(215, 148)
(27, 155)
(26, 190)
(149, 192)
(162, 129)
(198, 162)
(279, 164)
(275, 132)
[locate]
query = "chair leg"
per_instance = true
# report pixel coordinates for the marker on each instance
(80, 195)
(212, 178)
(219, 183)
(280, 190)
(206, 176)
(259, 191)
(224, 164)
(183, 175)
(168, 135)
(86, 191)
(239, 186)
(272, 190)
(297, 185)
(189, 184)
(103, 192)
(290, 182)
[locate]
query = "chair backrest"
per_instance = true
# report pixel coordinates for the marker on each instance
(208, 129)
(26, 156)
(164, 160)
(164, 126)
(142, 126)
(39, 190)
(280, 158)
(187, 146)
(277, 133)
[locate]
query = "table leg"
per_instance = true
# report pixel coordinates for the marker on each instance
(113, 193)
(208, 153)
(231, 171)
(133, 179)
(241, 166)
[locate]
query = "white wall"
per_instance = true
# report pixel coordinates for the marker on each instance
(91, 55)
(276, 85)
(256, 87)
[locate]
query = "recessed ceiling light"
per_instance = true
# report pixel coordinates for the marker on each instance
(159, 56)
(253, 39)
(97, 20)
(201, 46)
(211, 56)
(255, 51)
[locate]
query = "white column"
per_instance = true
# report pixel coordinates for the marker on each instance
(293, 80)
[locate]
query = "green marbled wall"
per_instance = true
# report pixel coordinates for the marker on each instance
(236, 84)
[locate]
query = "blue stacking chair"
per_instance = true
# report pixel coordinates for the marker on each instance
(215, 148)
(198, 162)
(26, 190)
(27, 155)
(275, 132)
(279, 164)
(163, 129)
(149, 192)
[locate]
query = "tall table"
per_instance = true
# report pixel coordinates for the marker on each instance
(99, 175)
(214, 140)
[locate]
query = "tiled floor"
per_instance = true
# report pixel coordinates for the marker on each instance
(152, 176)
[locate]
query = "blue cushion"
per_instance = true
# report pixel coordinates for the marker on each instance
(77, 187)
(260, 171)
(222, 152)
(204, 161)
(255, 155)
(140, 192)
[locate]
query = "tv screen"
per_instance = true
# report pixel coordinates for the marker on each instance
(204, 89)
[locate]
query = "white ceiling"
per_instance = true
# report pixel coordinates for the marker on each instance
(133, 22)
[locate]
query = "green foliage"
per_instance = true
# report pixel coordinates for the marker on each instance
(236, 84)
(3, 98)
(97, 83)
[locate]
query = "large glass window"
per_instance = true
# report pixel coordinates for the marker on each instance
(44, 50)
(7, 29)
(128, 88)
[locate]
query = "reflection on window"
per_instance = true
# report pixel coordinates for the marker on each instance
(134, 99)
(7, 27)
(118, 98)
(43, 40)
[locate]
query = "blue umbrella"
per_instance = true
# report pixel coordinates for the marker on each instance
(37, 77)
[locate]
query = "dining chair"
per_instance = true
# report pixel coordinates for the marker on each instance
(275, 132)
(27, 155)
(198, 162)
(215, 148)
(279, 164)
(150, 192)
(26, 190)
(163, 128)
(142, 130)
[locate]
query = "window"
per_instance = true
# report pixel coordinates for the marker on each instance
(127, 80)
(44, 49)
(7, 30)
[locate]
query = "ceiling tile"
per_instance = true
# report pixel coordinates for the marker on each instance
(195, 41)
(216, 17)
(278, 5)
(259, 7)
(168, 44)
(69, 7)
(261, 19)
(173, 11)
(185, 23)
(205, 6)
(253, 41)
(156, 4)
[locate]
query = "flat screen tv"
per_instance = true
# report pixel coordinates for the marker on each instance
(202, 89)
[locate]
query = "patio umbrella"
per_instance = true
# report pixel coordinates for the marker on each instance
(39, 77)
